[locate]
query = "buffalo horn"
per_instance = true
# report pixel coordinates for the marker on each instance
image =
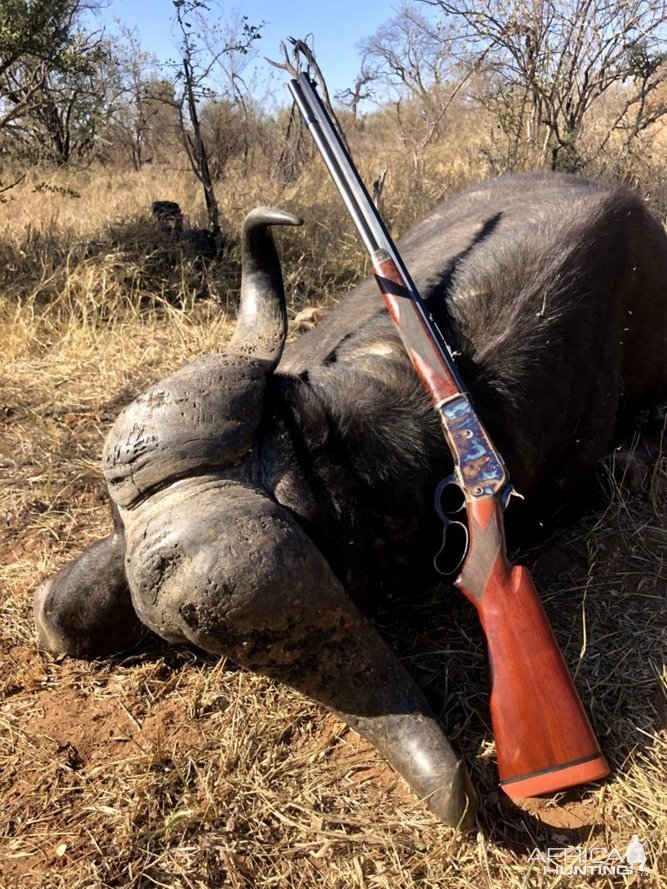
(262, 319)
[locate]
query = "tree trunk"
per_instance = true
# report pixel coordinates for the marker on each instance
(200, 160)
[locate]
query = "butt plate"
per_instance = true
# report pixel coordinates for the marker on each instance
(572, 774)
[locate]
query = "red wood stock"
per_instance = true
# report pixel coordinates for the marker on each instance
(544, 741)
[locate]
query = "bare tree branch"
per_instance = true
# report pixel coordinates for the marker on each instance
(563, 56)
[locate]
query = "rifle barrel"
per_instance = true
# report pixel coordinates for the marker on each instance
(365, 216)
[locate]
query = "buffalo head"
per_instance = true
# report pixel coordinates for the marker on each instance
(214, 544)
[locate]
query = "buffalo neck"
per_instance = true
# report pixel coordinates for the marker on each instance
(355, 455)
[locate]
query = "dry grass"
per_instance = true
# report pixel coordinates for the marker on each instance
(168, 768)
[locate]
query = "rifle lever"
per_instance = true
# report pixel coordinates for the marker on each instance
(449, 499)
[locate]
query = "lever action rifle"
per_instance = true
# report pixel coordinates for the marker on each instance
(544, 741)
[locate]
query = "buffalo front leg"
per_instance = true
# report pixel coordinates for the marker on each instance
(85, 610)
(230, 570)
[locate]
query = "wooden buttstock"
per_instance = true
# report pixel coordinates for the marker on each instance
(544, 740)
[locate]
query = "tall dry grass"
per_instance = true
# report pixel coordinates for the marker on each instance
(168, 768)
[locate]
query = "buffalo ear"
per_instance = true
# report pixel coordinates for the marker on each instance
(262, 319)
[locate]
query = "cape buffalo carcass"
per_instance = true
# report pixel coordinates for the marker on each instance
(261, 500)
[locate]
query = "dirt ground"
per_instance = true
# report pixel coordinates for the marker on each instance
(168, 768)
